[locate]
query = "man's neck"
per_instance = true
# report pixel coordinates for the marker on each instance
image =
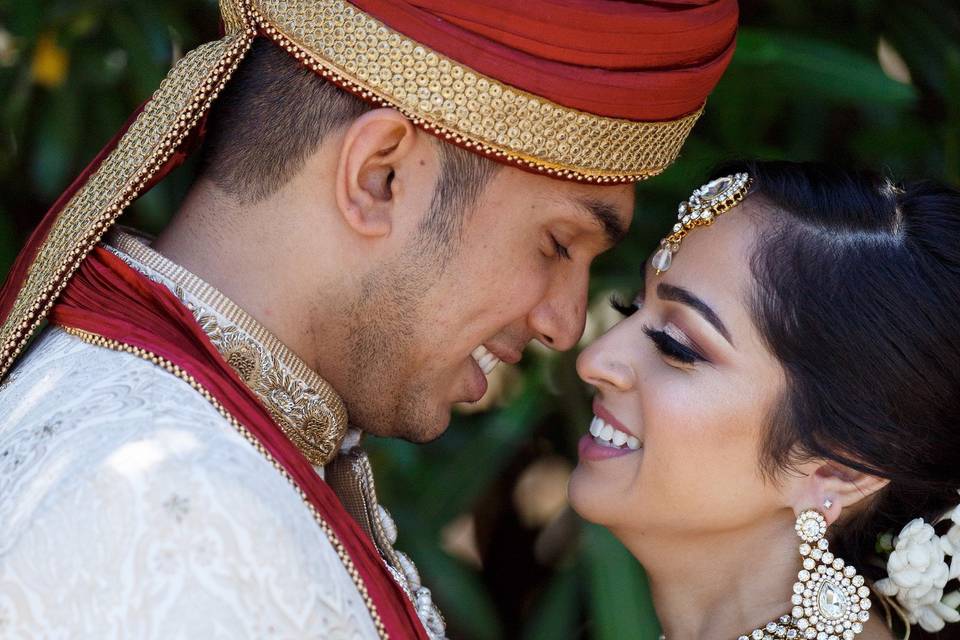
(234, 249)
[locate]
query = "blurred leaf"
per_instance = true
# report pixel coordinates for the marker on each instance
(8, 244)
(620, 605)
(458, 480)
(925, 55)
(25, 18)
(952, 125)
(806, 66)
(456, 587)
(58, 134)
(555, 615)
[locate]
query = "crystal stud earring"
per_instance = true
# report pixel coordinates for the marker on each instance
(827, 503)
(830, 599)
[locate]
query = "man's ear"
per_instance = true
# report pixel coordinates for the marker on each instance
(373, 147)
(839, 486)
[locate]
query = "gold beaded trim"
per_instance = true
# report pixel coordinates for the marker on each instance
(362, 55)
(174, 109)
(304, 405)
(174, 369)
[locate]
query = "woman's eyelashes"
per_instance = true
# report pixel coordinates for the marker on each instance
(627, 309)
(673, 348)
(666, 344)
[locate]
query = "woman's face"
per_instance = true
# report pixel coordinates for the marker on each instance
(687, 375)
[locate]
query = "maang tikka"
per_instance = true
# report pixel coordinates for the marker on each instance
(703, 207)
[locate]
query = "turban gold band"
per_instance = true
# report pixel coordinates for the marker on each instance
(362, 55)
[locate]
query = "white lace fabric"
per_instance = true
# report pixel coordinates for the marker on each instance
(131, 509)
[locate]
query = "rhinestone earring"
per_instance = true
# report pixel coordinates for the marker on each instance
(830, 600)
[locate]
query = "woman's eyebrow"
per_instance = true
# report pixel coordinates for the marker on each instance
(679, 294)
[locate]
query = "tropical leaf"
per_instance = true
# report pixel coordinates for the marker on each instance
(804, 66)
(619, 596)
(555, 614)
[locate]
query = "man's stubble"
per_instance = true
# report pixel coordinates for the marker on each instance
(388, 394)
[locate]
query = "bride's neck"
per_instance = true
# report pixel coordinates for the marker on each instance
(719, 585)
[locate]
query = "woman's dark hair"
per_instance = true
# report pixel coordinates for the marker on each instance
(857, 293)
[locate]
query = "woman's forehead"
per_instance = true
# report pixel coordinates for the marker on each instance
(714, 262)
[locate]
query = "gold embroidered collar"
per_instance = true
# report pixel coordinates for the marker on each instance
(304, 405)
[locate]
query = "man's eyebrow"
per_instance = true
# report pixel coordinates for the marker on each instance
(605, 215)
(678, 294)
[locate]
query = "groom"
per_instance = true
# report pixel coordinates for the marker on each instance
(394, 196)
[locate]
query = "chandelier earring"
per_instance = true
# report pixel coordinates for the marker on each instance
(831, 601)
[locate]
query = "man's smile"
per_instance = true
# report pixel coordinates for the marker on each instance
(487, 361)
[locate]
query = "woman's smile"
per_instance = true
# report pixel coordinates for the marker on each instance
(608, 437)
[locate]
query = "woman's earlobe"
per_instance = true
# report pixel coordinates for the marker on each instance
(831, 508)
(832, 488)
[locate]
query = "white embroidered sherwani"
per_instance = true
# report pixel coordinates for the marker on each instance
(130, 508)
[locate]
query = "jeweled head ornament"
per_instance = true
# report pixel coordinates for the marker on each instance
(532, 84)
(704, 206)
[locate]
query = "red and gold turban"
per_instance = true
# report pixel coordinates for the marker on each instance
(601, 91)
(595, 91)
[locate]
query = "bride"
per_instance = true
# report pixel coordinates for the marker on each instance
(777, 423)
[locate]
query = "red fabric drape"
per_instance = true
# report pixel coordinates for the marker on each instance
(27, 255)
(109, 298)
(639, 60)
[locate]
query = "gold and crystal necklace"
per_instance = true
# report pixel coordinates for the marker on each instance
(784, 627)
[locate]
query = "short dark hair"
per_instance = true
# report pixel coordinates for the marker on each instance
(857, 294)
(274, 112)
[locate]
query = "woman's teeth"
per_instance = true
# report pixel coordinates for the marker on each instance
(487, 361)
(606, 436)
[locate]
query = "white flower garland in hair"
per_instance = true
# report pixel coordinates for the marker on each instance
(918, 572)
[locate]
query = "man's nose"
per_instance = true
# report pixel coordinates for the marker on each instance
(558, 320)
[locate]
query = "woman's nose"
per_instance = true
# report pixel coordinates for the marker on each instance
(602, 364)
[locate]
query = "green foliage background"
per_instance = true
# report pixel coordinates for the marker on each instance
(806, 83)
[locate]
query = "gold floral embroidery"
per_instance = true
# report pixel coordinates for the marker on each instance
(302, 404)
(245, 356)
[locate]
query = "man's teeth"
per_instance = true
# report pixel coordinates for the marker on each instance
(605, 435)
(487, 361)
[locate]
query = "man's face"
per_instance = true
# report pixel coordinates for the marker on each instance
(518, 272)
